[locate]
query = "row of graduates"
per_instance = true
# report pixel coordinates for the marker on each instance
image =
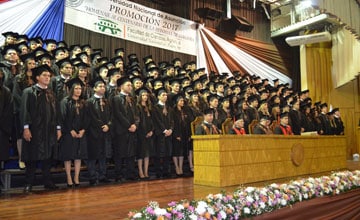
(99, 128)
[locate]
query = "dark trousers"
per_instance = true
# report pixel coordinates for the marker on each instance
(95, 174)
(162, 166)
(128, 170)
(31, 169)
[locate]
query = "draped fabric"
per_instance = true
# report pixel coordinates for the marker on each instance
(318, 70)
(43, 18)
(224, 54)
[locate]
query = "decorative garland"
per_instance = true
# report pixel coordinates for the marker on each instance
(252, 201)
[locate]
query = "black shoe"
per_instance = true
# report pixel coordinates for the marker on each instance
(51, 186)
(92, 183)
(27, 188)
(76, 185)
(105, 180)
(70, 186)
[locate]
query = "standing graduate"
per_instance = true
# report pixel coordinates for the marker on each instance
(164, 126)
(98, 134)
(6, 118)
(41, 128)
(181, 133)
(125, 122)
(145, 132)
(73, 126)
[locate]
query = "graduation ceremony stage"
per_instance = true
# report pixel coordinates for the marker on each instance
(279, 160)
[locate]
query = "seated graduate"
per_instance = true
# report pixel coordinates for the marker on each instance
(283, 128)
(238, 127)
(263, 126)
(207, 126)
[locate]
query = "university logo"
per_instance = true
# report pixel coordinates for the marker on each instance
(107, 26)
(73, 3)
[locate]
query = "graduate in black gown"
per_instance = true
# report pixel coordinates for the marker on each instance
(181, 133)
(98, 133)
(145, 132)
(125, 122)
(73, 145)
(207, 127)
(6, 118)
(41, 132)
(164, 126)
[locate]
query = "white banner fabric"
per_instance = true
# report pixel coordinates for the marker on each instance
(134, 22)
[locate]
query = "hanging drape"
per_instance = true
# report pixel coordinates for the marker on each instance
(43, 18)
(225, 55)
(318, 70)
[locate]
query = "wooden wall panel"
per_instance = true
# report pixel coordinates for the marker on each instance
(227, 160)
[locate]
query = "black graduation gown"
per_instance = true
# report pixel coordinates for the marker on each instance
(307, 123)
(206, 129)
(38, 110)
(182, 129)
(145, 144)
(124, 115)
(98, 142)
(324, 124)
(259, 129)
(59, 88)
(252, 113)
(6, 119)
(163, 145)
(111, 91)
(339, 126)
(295, 121)
(72, 148)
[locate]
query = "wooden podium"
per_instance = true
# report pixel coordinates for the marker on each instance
(228, 160)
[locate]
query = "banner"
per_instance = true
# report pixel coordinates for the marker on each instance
(134, 22)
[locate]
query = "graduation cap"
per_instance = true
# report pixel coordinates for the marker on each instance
(101, 67)
(62, 44)
(133, 58)
(63, 62)
(39, 70)
(9, 34)
(217, 84)
(177, 97)
(153, 82)
(27, 56)
(335, 110)
(117, 59)
(82, 65)
(188, 89)
(275, 80)
(212, 97)
(84, 47)
(21, 45)
(74, 81)
(136, 78)
(58, 50)
(122, 80)
(264, 117)
(22, 38)
(9, 47)
(142, 90)
(75, 46)
(208, 111)
(252, 98)
(49, 41)
(44, 56)
(159, 91)
(82, 54)
(119, 50)
(113, 71)
(96, 81)
(192, 93)
(174, 81)
(34, 40)
(284, 114)
(147, 59)
(175, 60)
(75, 61)
(323, 105)
(155, 68)
(103, 60)
(224, 99)
(95, 55)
